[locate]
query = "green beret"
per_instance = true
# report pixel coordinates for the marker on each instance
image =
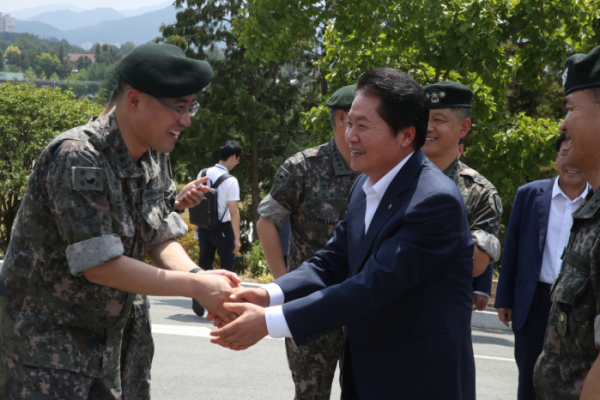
(448, 94)
(163, 70)
(342, 98)
(582, 71)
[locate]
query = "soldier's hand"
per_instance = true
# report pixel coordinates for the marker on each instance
(192, 194)
(505, 315)
(213, 290)
(232, 276)
(245, 331)
(260, 297)
(479, 302)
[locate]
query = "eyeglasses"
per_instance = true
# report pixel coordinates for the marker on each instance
(181, 111)
(563, 154)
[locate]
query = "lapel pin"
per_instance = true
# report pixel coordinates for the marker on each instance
(390, 207)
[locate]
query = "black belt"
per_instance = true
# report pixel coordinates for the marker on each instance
(544, 285)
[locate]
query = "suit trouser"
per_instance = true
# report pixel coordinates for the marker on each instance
(529, 340)
(221, 240)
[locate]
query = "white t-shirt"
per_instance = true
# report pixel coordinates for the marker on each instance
(229, 189)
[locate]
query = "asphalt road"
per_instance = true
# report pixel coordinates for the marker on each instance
(187, 366)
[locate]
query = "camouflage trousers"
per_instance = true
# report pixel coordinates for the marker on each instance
(131, 382)
(313, 365)
(137, 351)
(20, 381)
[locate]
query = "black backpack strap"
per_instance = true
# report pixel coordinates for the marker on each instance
(220, 180)
(203, 174)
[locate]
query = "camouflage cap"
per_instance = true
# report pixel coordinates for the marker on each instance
(448, 94)
(582, 71)
(163, 70)
(342, 98)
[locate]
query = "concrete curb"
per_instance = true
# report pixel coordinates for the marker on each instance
(487, 320)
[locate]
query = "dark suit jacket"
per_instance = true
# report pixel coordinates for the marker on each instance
(402, 291)
(523, 249)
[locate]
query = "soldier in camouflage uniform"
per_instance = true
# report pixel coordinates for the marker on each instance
(97, 202)
(311, 188)
(449, 122)
(569, 366)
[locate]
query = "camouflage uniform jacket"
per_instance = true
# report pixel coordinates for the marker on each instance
(572, 338)
(311, 188)
(86, 202)
(483, 204)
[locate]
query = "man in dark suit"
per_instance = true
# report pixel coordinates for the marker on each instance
(405, 237)
(538, 231)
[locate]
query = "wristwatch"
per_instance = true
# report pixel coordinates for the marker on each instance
(194, 270)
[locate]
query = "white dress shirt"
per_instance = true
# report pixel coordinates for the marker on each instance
(560, 221)
(276, 323)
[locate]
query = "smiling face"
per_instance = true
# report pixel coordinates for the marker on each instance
(444, 131)
(374, 148)
(582, 127)
(159, 125)
(567, 176)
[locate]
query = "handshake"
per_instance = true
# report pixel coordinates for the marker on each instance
(238, 312)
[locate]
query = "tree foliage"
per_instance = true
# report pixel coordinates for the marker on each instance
(254, 102)
(509, 52)
(29, 119)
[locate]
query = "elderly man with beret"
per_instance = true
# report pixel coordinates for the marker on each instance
(311, 189)
(569, 366)
(100, 198)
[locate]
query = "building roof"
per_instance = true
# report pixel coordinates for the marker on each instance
(73, 57)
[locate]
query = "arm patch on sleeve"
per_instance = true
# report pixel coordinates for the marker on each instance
(88, 178)
(282, 176)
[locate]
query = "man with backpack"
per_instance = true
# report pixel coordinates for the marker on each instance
(224, 235)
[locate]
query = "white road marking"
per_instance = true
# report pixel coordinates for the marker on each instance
(496, 358)
(186, 330)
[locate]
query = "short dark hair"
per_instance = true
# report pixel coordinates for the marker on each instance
(403, 101)
(230, 148)
(560, 141)
(332, 115)
(461, 112)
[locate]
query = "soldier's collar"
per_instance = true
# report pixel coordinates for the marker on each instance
(453, 170)
(590, 207)
(339, 164)
(149, 164)
(126, 168)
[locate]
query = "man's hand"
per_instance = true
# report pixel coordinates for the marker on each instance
(505, 315)
(233, 277)
(245, 331)
(259, 297)
(213, 291)
(192, 194)
(479, 302)
(237, 245)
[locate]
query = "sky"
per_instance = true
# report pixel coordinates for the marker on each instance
(16, 5)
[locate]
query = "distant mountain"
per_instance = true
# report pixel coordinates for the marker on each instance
(38, 28)
(32, 12)
(142, 10)
(67, 19)
(139, 29)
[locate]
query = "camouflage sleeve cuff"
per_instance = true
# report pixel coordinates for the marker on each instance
(273, 211)
(171, 227)
(597, 331)
(89, 253)
(488, 243)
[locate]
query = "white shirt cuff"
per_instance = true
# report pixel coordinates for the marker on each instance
(275, 293)
(276, 323)
(481, 293)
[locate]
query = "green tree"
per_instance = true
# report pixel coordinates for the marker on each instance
(496, 48)
(30, 74)
(127, 47)
(82, 63)
(13, 55)
(251, 101)
(46, 64)
(29, 119)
